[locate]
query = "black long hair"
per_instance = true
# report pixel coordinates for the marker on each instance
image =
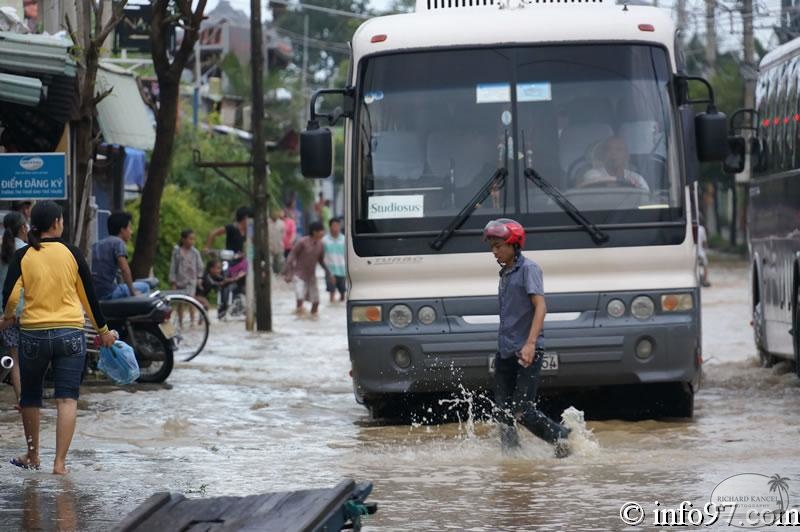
(13, 222)
(43, 215)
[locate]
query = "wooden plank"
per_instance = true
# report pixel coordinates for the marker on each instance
(244, 513)
(297, 511)
(208, 514)
(188, 511)
(153, 504)
(337, 497)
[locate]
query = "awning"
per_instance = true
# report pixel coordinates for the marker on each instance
(20, 89)
(33, 53)
(123, 117)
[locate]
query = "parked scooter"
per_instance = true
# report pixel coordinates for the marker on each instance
(143, 322)
(6, 365)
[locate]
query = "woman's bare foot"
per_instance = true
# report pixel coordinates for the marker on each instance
(60, 469)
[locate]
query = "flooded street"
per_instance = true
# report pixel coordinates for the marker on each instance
(258, 413)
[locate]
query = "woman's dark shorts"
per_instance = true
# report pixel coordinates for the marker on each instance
(65, 349)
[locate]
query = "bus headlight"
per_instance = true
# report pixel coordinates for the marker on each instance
(615, 308)
(677, 302)
(426, 315)
(400, 316)
(370, 314)
(642, 308)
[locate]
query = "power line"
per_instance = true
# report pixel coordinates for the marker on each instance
(328, 10)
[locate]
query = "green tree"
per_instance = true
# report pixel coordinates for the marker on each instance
(325, 30)
(179, 211)
(169, 67)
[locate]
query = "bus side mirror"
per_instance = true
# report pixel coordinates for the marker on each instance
(316, 152)
(316, 143)
(711, 133)
(710, 127)
(734, 160)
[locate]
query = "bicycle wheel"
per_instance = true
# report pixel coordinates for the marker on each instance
(191, 324)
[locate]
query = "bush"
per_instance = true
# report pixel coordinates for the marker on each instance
(179, 211)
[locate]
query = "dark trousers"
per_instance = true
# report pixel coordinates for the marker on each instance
(65, 349)
(515, 397)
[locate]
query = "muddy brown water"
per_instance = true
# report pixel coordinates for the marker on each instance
(260, 413)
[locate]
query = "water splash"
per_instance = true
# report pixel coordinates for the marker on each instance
(581, 440)
(455, 405)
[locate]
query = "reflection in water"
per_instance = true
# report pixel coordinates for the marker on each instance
(276, 412)
(49, 505)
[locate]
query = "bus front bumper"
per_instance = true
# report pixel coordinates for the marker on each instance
(587, 357)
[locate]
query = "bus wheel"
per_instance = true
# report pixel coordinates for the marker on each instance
(766, 359)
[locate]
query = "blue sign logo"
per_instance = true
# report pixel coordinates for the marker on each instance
(33, 176)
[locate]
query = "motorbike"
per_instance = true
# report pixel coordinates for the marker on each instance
(143, 322)
(234, 295)
(6, 365)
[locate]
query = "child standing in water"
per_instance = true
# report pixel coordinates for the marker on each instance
(186, 269)
(520, 352)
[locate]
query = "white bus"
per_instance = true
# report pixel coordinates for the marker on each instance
(470, 110)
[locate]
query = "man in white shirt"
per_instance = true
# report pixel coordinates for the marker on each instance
(613, 168)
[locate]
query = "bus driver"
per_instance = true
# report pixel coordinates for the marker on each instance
(613, 167)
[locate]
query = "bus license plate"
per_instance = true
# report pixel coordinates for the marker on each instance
(167, 328)
(550, 362)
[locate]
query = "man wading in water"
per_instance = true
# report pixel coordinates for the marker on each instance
(520, 340)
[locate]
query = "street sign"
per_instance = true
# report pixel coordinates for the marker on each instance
(33, 176)
(133, 31)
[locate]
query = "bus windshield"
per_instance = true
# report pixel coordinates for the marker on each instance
(596, 121)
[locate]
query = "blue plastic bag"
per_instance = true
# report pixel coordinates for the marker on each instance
(118, 362)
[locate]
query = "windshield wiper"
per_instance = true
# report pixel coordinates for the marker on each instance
(497, 181)
(566, 205)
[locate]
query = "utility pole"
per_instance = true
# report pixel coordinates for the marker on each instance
(711, 36)
(683, 19)
(304, 84)
(261, 271)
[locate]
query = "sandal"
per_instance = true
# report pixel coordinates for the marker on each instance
(19, 463)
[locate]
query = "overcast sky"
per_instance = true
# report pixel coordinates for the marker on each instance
(244, 5)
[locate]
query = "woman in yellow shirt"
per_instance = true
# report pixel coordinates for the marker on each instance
(58, 288)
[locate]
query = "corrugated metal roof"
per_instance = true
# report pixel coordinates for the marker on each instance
(20, 89)
(123, 116)
(34, 53)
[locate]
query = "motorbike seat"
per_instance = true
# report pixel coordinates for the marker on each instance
(127, 307)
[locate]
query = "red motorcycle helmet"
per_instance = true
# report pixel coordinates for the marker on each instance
(510, 231)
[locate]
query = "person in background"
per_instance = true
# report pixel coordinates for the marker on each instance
(235, 234)
(110, 256)
(186, 270)
(326, 213)
(214, 279)
(58, 290)
(15, 237)
(24, 208)
(276, 230)
(520, 352)
(318, 207)
(333, 244)
(186, 265)
(289, 230)
(301, 265)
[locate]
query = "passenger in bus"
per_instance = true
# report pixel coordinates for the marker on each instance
(520, 340)
(610, 167)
